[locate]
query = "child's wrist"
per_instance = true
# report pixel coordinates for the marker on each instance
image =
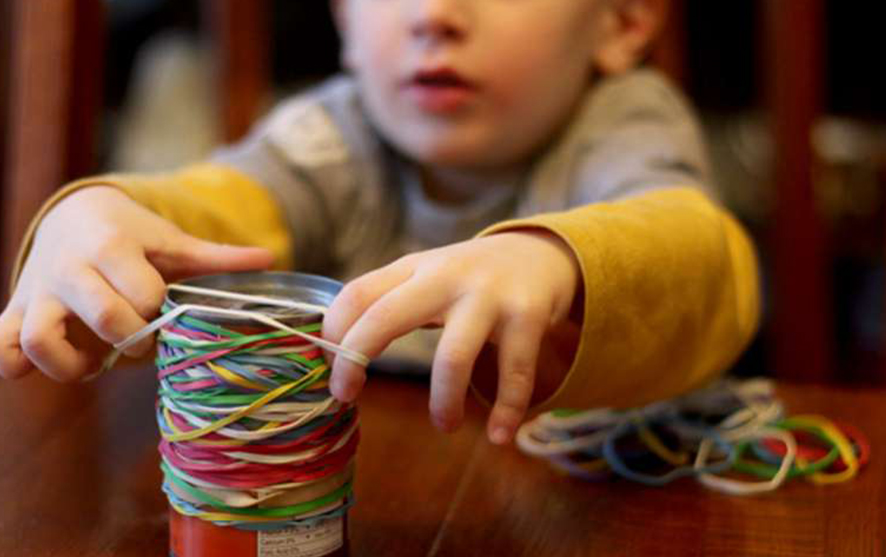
(560, 343)
(570, 290)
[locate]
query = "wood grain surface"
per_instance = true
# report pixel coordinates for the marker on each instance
(79, 476)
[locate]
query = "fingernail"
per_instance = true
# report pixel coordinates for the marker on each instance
(500, 435)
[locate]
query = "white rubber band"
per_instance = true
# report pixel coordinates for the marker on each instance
(158, 323)
(249, 298)
(738, 487)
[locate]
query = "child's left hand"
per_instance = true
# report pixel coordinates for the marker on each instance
(508, 289)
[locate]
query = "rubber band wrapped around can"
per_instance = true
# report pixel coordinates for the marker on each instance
(257, 456)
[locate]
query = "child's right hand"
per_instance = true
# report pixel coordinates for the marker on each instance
(100, 259)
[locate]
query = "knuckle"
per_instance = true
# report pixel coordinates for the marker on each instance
(355, 295)
(520, 367)
(520, 373)
(527, 309)
(105, 315)
(487, 286)
(518, 382)
(107, 242)
(384, 317)
(148, 303)
(34, 343)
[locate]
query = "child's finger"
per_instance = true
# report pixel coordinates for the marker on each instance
(468, 325)
(406, 307)
(102, 309)
(517, 359)
(358, 295)
(183, 255)
(355, 297)
(43, 340)
(141, 286)
(139, 282)
(13, 361)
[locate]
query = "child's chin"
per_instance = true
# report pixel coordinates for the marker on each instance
(458, 155)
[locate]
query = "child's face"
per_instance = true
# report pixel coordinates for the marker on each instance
(471, 83)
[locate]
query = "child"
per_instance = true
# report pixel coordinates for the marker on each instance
(616, 281)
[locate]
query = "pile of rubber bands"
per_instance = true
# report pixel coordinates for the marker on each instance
(733, 437)
(251, 436)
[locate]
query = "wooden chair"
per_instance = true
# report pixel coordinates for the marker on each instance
(55, 58)
(802, 333)
(53, 98)
(802, 311)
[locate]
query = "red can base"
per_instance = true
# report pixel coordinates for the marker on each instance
(192, 537)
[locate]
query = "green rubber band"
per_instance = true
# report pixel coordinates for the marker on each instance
(278, 512)
(172, 360)
(565, 412)
(222, 331)
(767, 471)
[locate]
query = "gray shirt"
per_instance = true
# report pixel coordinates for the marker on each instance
(354, 204)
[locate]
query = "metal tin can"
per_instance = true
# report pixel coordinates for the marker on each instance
(301, 287)
(193, 537)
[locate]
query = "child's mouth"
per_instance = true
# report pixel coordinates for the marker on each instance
(440, 90)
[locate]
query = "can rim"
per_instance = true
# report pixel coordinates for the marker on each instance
(302, 287)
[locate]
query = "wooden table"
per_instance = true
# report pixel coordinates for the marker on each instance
(79, 476)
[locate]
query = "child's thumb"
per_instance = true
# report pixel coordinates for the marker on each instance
(191, 256)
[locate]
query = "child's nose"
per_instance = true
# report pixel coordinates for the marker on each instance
(439, 20)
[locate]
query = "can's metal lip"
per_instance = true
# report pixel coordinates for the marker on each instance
(302, 287)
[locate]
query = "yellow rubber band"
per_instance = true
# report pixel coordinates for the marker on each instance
(596, 465)
(232, 377)
(179, 435)
(844, 446)
(652, 441)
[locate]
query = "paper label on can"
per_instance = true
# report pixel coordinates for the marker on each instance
(315, 540)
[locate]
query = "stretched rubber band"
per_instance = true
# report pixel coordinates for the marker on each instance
(158, 323)
(249, 298)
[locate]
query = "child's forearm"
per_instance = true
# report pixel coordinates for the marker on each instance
(99, 259)
(206, 200)
(670, 296)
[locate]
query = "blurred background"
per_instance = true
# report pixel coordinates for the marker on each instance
(788, 91)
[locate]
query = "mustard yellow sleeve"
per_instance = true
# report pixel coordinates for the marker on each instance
(671, 295)
(207, 200)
